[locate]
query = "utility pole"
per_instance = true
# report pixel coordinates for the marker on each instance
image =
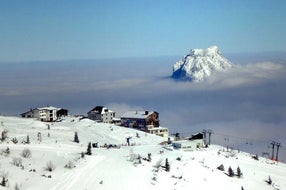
(210, 132)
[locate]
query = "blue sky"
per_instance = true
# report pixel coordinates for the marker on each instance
(67, 29)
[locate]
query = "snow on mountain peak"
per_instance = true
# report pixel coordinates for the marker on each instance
(200, 63)
(212, 50)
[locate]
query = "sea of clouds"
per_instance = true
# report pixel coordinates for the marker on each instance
(245, 107)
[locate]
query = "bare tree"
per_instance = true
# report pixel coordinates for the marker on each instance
(50, 166)
(70, 165)
(17, 187)
(26, 153)
(17, 162)
(6, 152)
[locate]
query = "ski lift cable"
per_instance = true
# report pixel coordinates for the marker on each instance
(243, 138)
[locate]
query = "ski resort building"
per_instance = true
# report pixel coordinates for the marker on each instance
(190, 143)
(160, 131)
(141, 120)
(48, 113)
(101, 114)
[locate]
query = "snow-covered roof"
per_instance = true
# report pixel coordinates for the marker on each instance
(116, 119)
(137, 114)
(195, 136)
(48, 108)
(42, 108)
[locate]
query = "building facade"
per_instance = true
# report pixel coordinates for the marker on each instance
(190, 143)
(160, 131)
(101, 114)
(141, 120)
(48, 113)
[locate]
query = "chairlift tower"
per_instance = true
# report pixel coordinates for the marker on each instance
(278, 145)
(210, 132)
(273, 144)
(205, 136)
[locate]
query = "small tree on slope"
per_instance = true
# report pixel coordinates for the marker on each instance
(88, 152)
(3, 183)
(238, 171)
(4, 135)
(269, 181)
(76, 138)
(28, 139)
(221, 167)
(167, 165)
(230, 172)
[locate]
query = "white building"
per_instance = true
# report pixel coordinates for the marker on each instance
(101, 114)
(190, 143)
(160, 131)
(48, 113)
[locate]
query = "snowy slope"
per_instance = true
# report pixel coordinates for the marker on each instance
(200, 63)
(119, 168)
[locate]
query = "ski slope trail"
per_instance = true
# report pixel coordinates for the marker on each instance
(80, 177)
(103, 169)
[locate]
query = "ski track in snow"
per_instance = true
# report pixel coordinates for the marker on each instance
(80, 178)
(96, 169)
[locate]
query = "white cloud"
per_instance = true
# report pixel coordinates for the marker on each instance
(245, 75)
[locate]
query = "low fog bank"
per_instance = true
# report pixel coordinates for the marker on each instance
(246, 104)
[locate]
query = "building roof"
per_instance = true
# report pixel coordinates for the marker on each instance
(42, 108)
(100, 109)
(48, 108)
(137, 114)
(196, 136)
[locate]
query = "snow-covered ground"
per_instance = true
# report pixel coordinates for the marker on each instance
(118, 167)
